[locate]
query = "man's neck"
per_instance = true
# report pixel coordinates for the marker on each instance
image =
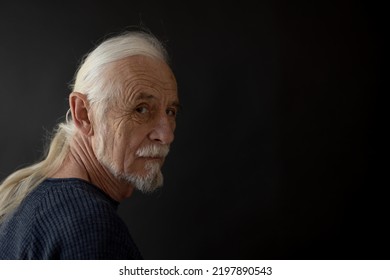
(81, 162)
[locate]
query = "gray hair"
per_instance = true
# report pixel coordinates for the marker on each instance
(89, 80)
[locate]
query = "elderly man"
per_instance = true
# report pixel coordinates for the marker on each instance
(116, 136)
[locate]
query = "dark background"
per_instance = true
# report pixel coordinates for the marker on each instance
(278, 147)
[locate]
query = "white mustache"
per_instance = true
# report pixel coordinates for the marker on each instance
(153, 151)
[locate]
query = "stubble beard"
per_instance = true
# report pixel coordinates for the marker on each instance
(147, 183)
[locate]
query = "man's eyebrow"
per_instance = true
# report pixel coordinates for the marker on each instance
(144, 96)
(177, 105)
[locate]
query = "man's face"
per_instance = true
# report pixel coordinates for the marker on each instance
(139, 126)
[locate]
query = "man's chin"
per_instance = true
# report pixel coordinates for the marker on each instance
(145, 184)
(148, 181)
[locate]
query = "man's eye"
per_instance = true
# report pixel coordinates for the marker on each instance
(171, 112)
(142, 109)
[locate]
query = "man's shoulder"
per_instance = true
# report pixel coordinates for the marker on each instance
(72, 201)
(73, 192)
(81, 220)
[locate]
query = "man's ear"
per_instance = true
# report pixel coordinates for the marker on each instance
(79, 107)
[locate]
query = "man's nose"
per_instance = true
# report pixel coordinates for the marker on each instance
(163, 130)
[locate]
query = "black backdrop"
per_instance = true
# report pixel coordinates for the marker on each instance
(277, 149)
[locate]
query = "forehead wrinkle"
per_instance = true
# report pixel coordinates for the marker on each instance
(132, 90)
(137, 88)
(150, 81)
(136, 77)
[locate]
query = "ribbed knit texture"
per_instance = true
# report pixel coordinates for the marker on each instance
(66, 219)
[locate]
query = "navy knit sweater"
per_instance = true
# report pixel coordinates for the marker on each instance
(66, 219)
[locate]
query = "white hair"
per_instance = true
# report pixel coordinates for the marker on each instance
(89, 75)
(90, 80)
